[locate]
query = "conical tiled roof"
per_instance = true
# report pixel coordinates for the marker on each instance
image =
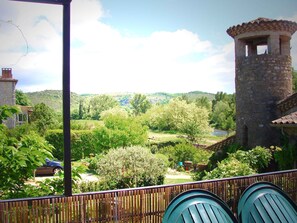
(263, 24)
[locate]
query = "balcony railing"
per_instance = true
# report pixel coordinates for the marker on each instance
(146, 204)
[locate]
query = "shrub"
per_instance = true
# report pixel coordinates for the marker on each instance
(221, 155)
(185, 152)
(120, 131)
(257, 158)
(131, 167)
(239, 163)
(229, 168)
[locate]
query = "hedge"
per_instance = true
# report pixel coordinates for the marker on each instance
(82, 143)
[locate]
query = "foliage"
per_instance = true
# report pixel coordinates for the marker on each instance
(84, 124)
(185, 152)
(98, 104)
(222, 154)
(203, 102)
(115, 111)
(180, 116)
(43, 118)
(82, 143)
(18, 160)
(240, 163)
(222, 116)
(117, 132)
(157, 118)
(120, 132)
(285, 156)
(53, 186)
(7, 111)
(229, 168)
(131, 167)
(21, 98)
(140, 104)
(223, 111)
(257, 158)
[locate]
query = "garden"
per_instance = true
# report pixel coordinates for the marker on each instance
(126, 147)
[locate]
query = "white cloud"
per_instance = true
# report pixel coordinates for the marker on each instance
(104, 60)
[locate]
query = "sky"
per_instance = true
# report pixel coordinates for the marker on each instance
(148, 46)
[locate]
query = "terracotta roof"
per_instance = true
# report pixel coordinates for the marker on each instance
(290, 119)
(287, 103)
(263, 24)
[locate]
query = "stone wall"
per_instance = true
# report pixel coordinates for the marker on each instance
(261, 81)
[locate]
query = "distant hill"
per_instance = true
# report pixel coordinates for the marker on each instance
(53, 98)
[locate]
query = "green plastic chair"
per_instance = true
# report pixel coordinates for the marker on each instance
(265, 202)
(195, 206)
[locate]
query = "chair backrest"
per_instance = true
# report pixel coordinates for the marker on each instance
(265, 202)
(195, 206)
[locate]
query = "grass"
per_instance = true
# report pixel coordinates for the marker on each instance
(165, 136)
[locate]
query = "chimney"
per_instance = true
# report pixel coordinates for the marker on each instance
(7, 73)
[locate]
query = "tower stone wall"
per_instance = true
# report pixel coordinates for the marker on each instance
(261, 81)
(263, 76)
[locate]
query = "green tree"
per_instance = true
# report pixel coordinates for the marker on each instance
(115, 111)
(157, 118)
(203, 102)
(18, 160)
(120, 131)
(99, 104)
(131, 167)
(222, 116)
(140, 104)
(180, 116)
(43, 118)
(21, 98)
(223, 111)
(188, 118)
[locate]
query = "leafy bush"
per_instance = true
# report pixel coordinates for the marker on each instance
(229, 168)
(257, 158)
(221, 155)
(53, 186)
(239, 163)
(120, 131)
(18, 160)
(131, 167)
(185, 152)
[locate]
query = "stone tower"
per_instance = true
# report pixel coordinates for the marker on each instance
(263, 76)
(7, 92)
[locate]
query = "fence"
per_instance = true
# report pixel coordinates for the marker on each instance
(145, 204)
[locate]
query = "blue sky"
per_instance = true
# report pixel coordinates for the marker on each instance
(131, 46)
